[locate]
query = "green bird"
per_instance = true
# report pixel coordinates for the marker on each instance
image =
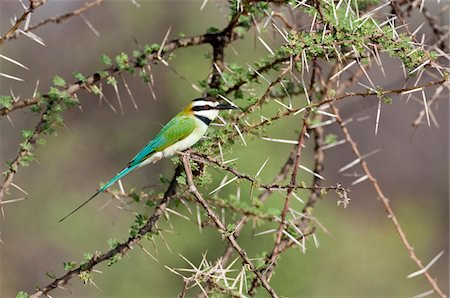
(180, 133)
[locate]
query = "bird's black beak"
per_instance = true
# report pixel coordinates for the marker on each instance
(226, 107)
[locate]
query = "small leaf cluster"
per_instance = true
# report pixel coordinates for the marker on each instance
(22, 294)
(6, 102)
(139, 222)
(68, 266)
(253, 8)
(85, 276)
(113, 243)
(348, 32)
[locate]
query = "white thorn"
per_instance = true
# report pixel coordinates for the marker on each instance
(359, 180)
(428, 266)
(240, 134)
(311, 172)
(223, 185)
(90, 25)
(280, 141)
(266, 45)
(377, 121)
(203, 4)
(425, 104)
(11, 77)
(14, 61)
(262, 167)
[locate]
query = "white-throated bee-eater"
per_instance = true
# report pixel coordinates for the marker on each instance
(180, 133)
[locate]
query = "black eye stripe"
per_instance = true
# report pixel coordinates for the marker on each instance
(201, 108)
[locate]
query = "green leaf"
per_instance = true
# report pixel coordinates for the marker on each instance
(58, 81)
(69, 265)
(231, 227)
(80, 77)
(387, 99)
(137, 53)
(153, 48)
(95, 89)
(114, 259)
(103, 74)
(85, 276)
(35, 109)
(111, 81)
(122, 61)
(22, 294)
(105, 59)
(113, 243)
(27, 133)
(181, 180)
(330, 138)
(6, 101)
(87, 256)
(26, 146)
(25, 160)
(212, 30)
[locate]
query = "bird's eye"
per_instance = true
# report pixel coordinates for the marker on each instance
(206, 107)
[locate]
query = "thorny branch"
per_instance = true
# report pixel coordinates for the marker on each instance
(221, 227)
(440, 32)
(23, 152)
(56, 20)
(240, 224)
(33, 5)
(205, 159)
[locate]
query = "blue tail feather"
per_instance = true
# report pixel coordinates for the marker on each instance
(107, 185)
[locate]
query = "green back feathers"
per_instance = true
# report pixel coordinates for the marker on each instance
(175, 130)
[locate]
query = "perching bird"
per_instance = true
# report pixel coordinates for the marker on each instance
(180, 133)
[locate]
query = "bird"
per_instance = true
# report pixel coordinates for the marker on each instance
(179, 134)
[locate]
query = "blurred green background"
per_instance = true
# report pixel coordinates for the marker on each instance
(364, 256)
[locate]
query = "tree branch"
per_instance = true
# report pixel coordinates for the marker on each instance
(221, 227)
(58, 19)
(33, 5)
